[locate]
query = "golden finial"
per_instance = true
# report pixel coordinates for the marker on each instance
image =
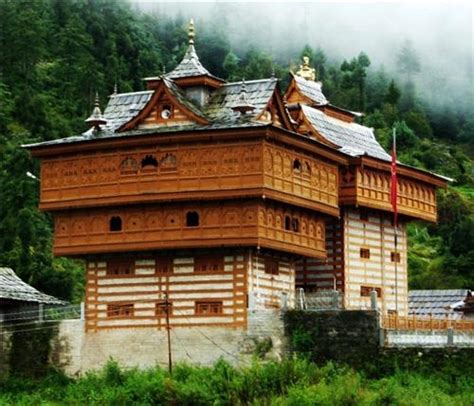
(191, 33)
(305, 71)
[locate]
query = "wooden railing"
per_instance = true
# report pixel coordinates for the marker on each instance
(395, 322)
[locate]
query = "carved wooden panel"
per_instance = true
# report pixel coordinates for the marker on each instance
(172, 173)
(371, 188)
(250, 223)
(301, 175)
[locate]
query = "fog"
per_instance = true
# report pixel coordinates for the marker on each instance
(441, 33)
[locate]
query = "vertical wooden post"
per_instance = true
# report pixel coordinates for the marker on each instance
(168, 328)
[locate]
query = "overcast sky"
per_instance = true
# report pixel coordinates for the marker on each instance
(441, 32)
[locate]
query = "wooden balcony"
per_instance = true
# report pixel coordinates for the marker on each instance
(195, 171)
(250, 223)
(361, 186)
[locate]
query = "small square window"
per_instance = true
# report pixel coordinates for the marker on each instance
(365, 253)
(160, 309)
(395, 256)
(271, 266)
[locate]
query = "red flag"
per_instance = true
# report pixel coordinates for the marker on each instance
(394, 183)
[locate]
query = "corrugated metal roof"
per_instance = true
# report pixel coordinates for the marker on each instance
(437, 303)
(353, 139)
(312, 90)
(13, 288)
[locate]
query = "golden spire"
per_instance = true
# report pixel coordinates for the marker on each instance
(306, 72)
(191, 33)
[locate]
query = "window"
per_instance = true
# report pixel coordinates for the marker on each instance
(166, 112)
(208, 264)
(164, 265)
(295, 225)
(209, 307)
(288, 223)
(365, 291)
(115, 223)
(120, 310)
(297, 165)
(395, 256)
(365, 253)
(120, 268)
(149, 163)
(364, 215)
(271, 266)
(192, 219)
(160, 309)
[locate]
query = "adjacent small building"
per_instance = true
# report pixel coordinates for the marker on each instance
(20, 301)
(453, 304)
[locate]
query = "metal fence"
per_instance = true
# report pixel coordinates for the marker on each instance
(319, 300)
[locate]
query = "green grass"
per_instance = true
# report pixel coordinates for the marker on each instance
(289, 382)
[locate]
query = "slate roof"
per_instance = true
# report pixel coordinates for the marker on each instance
(259, 92)
(438, 303)
(13, 288)
(190, 66)
(353, 139)
(311, 89)
(122, 107)
(125, 106)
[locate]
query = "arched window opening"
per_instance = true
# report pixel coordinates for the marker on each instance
(149, 162)
(297, 165)
(192, 219)
(288, 223)
(295, 225)
(115, 223)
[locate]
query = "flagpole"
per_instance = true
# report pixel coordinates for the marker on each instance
(394, 196)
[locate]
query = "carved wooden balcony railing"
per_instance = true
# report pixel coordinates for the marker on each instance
(249, 223)
(371, 188)
(199, 171)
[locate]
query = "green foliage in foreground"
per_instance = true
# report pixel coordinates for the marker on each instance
(289, 382)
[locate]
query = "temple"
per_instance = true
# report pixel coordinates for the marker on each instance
(228, 197)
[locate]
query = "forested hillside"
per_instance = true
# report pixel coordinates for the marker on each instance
(55, 54)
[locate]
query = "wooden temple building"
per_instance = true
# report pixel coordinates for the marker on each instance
(227, 197)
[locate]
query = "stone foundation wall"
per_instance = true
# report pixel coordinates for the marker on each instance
(76, 352)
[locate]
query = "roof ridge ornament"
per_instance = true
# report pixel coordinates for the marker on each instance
(191, 32)
(305, 71)
(96, 119)
(242, 104)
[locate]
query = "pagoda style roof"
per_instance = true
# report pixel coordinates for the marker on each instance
(190, 66)
(311, 90)
(350, 138)
(13, 288)
(123, 108)
(437, 303)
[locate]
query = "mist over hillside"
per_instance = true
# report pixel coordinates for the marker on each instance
(441, 35)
